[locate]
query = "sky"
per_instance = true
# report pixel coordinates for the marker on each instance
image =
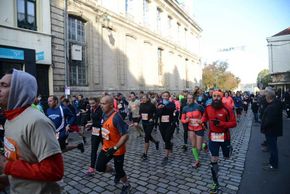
(244, 25)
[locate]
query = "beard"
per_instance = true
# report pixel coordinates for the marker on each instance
(217, 104)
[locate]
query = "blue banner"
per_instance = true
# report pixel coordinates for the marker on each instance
(7, 53)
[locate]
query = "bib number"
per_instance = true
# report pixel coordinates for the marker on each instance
(217, 137)
(96, 131)
(105, 133)
(165, 119)
(193, 122)
(120, 106)
(144, 116)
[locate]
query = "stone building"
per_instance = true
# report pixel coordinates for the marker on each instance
(279, 59)
(25, 40)
(124, 45)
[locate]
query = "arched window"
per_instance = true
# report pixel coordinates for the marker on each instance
(77, 52)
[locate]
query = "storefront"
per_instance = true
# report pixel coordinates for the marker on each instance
(24, 59)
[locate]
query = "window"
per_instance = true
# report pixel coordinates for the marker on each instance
(146, 12)
(169, 22)
(77, 67)
(159, 58)
(158, 22)
(26, 14)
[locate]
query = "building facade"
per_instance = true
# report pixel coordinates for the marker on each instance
(124, 45)
(279, 59)
(25, 40)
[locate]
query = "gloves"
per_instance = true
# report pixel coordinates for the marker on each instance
(216, 122)
(111, 151)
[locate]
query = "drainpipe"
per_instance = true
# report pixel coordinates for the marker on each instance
(65, 47)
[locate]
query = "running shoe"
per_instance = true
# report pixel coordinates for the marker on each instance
(184, 147)
(81, 147)
(91, 171)
(126, 189)
(214, 188)
(270, 168)
(144, 156)
(196, 164)
(164, 160)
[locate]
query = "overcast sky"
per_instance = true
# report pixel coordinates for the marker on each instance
(236, 23)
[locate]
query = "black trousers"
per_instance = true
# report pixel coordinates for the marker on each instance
(167, 131)
(95, 142)
(148, 130)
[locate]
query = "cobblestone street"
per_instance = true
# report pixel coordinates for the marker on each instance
(151, 177)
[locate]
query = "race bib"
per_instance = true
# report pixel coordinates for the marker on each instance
(105, 133)
(10, 148)
(165, 118)
(144, 116)
(193, 122)
(120, 106)
(217, 137)
(96, 131)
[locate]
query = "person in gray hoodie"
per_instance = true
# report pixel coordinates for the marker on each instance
(32, 161)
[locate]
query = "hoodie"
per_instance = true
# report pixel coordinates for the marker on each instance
(21, 94)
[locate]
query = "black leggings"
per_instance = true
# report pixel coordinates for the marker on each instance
(185, 133)
(148, 130)
(95, 142)
(167, 131)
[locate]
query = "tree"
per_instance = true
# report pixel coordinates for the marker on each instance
(263, 79)
(215, 76)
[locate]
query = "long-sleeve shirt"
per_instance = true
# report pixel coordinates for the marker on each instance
(226, 117)
(191, 114)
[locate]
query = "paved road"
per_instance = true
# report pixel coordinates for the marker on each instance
(255, 179)
(151, 177)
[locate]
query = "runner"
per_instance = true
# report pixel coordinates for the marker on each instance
(134, 105)
(95, 124)
(192, 114)
(165, 111)
(62, 119)
(115, 135)
(183, 103)
(220, 118)
(147, 112)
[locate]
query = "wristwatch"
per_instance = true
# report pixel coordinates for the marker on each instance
(115, 148)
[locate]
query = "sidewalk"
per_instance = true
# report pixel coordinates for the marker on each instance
(151, 177)
(255, 179)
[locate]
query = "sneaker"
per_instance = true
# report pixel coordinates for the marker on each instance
(126, 189)
(270, 168)
(81, 147)
(91, 171)
(184, 147)
(144, 156)
(214, 188)
(196, 164)
(164, 160)
(157, 145)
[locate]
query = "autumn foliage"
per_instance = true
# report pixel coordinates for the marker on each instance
(215, 76)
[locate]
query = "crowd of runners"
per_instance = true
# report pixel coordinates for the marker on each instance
(204, 117)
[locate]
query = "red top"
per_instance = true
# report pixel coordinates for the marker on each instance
(226, 117)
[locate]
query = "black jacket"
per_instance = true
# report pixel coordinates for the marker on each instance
(272, 120)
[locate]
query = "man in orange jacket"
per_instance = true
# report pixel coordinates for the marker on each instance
(115, 135)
